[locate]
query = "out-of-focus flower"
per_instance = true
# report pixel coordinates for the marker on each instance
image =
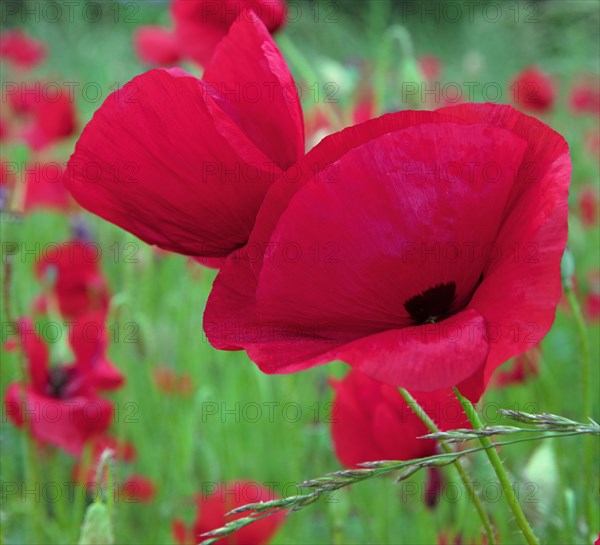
(364, 106)
(89, 341)
(588, 206)
(72, 269)
(138, 488)
(43, 118)
(371, 421)
(211, 510)
(317, 125)
(524, 366)
(156, 45)
(591, 143)
(21, 50)
(533, 90)
(584, 97)
(59, 405)
(431, 67)
(591, 306)
(44, 189)
(201, 24)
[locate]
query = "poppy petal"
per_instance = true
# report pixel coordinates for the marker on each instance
(154, 161)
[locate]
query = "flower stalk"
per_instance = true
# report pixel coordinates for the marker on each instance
(432, 427)
(586, 381)
(503, 479)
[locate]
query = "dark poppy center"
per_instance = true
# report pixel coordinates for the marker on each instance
(58, 379)
(432, 305)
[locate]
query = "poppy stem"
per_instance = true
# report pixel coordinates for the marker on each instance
(585, 382)
(309, 74)
(432, 427)
(396, 43)
(503, 479)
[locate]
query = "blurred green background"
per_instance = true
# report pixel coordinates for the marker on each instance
(179, 445)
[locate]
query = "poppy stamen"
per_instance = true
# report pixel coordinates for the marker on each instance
(431, 305)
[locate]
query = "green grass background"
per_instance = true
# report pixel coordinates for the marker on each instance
(179, 448)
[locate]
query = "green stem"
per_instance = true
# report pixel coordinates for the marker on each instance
(503, 479)
(586, 383)
(309, 74)
(585, 351)
(432, 427)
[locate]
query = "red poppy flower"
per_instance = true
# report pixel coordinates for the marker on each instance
(526, 365)
(89, 340)
(316, 122)
(592, 299)
(388, 255)
(591, 143)
(59, 404)
(431, 67)
(73, 270)
(588, 206)
(201, 24)
(185, 164)
(364, 108)
(44, 117)
(584, 97)
(213, 506)
(371, 421)
(44, 189)
(53, 121)
(597, 542)
(137, 488)
(156, 45)
(3, 130)
(533, 90)
(21, 50)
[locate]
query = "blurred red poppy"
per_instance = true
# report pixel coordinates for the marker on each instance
(592, 300)
(21, 50)
(584, 97)
(219, 500)
(364, 107)
(533, 90)
(59, 405)
(201, 24)
(431, 67)
(44, 189)
(380, 254)
(588, 206)
(89, 340)
(185, 164)
(46, 115)
(525, 365)
(371, 421)
(137, 488)
(591, 143)
(156, 45)
(72, 271)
